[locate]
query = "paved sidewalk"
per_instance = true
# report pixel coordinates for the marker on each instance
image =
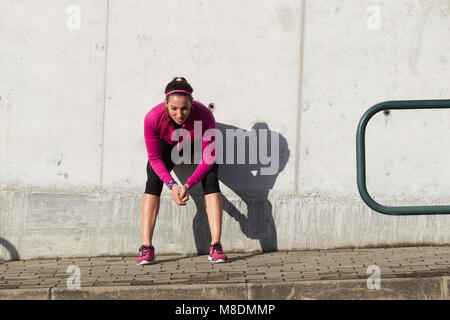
(406, 273)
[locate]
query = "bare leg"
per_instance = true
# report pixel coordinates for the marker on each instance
(150, 208)
(213, 205)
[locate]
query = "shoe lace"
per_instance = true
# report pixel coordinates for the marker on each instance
(144, 250)
(218, 248)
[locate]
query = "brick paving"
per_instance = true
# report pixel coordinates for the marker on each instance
(274, 267)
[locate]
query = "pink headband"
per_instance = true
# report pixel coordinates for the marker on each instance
(177, 91)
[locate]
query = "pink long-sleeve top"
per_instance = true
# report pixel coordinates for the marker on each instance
(155, 129)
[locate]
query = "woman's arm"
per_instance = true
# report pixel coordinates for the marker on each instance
(208, 153)
(152, 142)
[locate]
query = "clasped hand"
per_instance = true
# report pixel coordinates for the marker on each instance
(180, 195)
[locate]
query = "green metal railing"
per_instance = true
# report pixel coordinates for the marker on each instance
(361, 157)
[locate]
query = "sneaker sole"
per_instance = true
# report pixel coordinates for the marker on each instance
(143, 262)
(216, 261)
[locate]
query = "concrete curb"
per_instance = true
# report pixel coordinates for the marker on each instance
(396, 289)
(435, 288)
(25, 294)
(158, 292)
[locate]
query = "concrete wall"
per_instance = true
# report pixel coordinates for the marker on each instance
(77, 78)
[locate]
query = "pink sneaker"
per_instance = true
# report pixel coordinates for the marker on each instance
(216, 253)
(146, 255)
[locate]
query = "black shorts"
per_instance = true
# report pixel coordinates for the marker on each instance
(154, 185)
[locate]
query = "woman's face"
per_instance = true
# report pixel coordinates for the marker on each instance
(179, 107)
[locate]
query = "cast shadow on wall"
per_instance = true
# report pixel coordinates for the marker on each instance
(13, 254)
(250, 182)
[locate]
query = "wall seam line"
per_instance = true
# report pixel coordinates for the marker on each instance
(300, 87)
(104, 96)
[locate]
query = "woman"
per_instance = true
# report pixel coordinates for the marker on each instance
(179, 110)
